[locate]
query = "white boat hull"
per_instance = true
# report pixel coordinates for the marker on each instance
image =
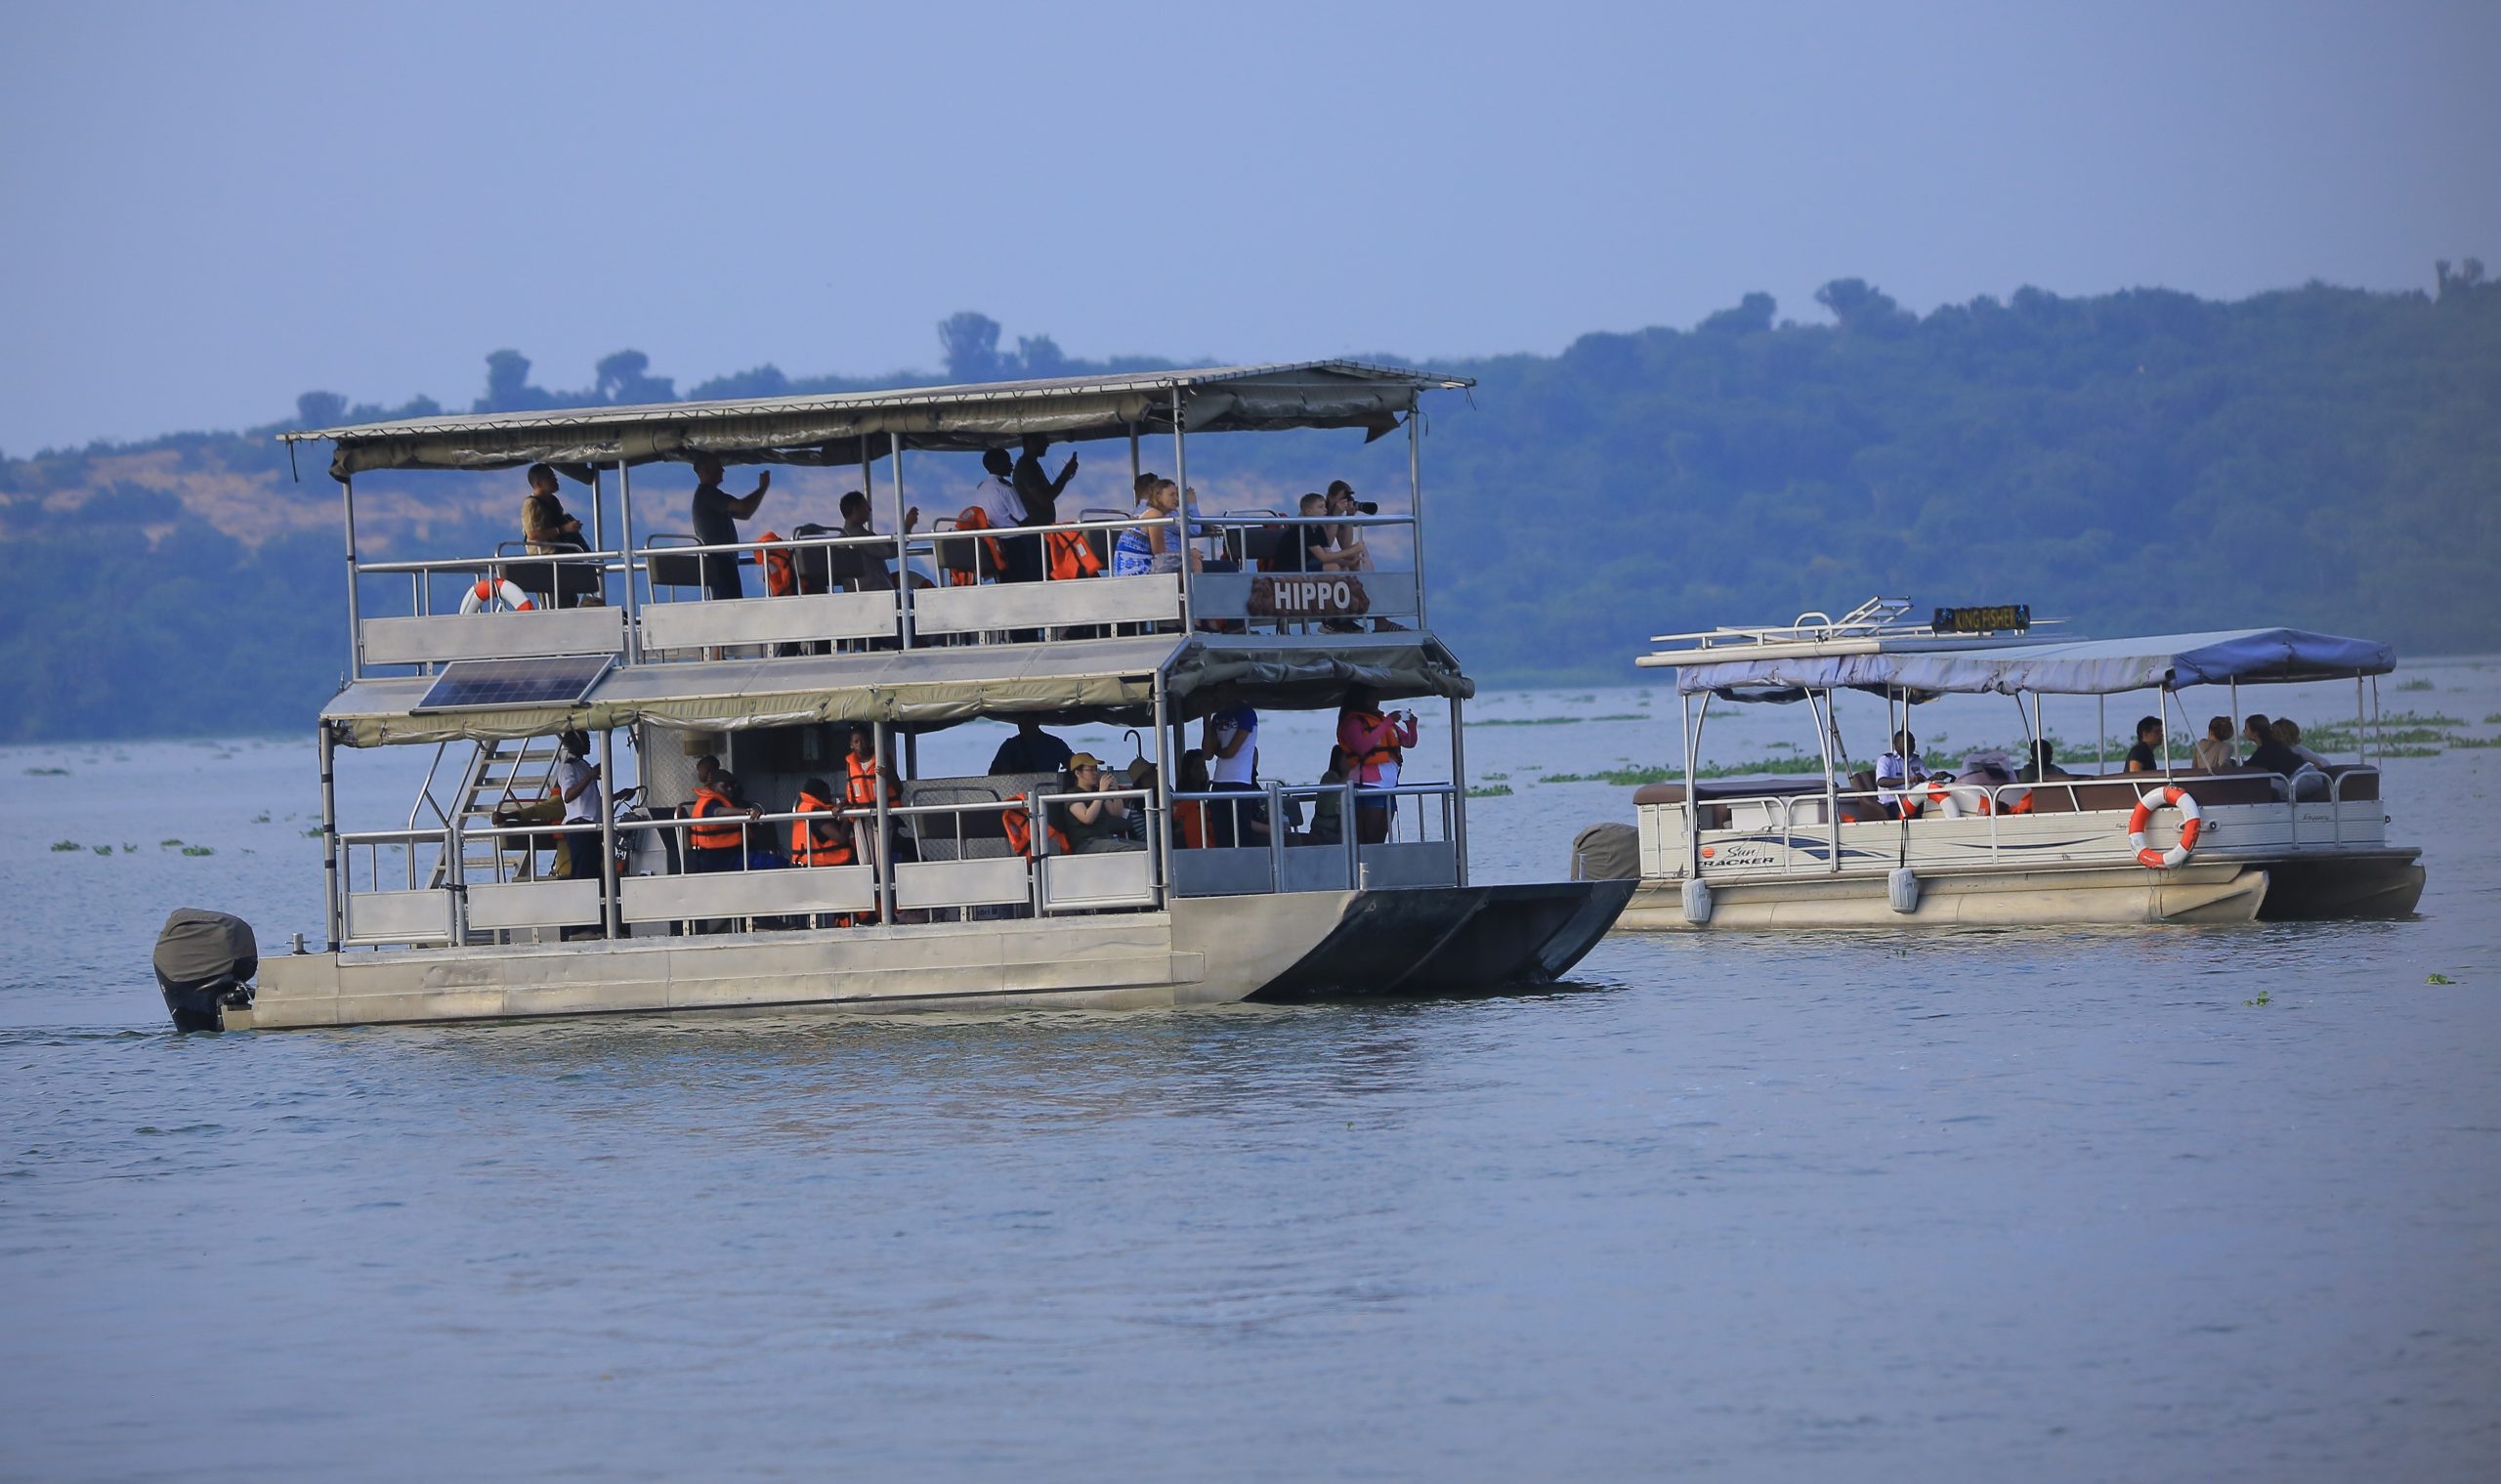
(2223, 892)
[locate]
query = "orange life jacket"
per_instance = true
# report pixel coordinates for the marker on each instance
(708, 804)
(1190, 818)
(974, 518)
(1019, 826)
(805, 848)
(1071, 555)
(1389, 751)
(781, 578)
(861, 790)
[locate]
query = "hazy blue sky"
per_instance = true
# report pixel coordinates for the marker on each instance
(214, 207)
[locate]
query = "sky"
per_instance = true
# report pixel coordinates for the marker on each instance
(214, 208)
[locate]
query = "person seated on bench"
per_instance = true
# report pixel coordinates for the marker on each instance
(1895, 771)
(1094, 826)
(2145, 755)
(716, 845)
(867, 568)
(2044, 765)
(2289, 731)
(548, 531)
(2214, 749)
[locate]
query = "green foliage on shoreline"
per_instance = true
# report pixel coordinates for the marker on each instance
(2140, 462)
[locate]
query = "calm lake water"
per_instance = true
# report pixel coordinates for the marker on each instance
(2066, 1204)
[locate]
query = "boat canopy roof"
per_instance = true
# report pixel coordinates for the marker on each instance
(930, 689)
(850, 427)
(2078, 667)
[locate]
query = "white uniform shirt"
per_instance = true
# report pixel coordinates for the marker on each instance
(999, 501)
(1893, 772)
(585, 809)
(1241, 766)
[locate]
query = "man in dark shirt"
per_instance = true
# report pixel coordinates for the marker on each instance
(715, 515)
(1030, 750)
(2147, 756)
(2274, 756)
(1039, 492)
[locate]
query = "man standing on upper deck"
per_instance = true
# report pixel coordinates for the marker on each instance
(715, 515)
(1041, 493)
(995, 498)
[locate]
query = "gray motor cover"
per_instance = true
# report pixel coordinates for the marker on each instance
(1610, 852)
(198, 945)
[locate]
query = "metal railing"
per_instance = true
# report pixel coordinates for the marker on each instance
(1822, 829)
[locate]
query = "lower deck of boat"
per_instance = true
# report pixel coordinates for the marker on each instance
(1196, 951)
(2384, 882)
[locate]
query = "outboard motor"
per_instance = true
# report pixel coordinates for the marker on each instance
(205, 960)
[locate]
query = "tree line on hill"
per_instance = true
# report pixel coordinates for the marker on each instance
(2144, 461)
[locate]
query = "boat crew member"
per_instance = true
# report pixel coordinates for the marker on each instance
(577, 785)
(716, 516)
(1003, 508)
(1030, 750)
(1895, 771)
(1375, 744)
(1230, 738)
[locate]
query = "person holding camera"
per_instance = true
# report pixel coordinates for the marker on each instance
(1346, 543)
(1375, 744)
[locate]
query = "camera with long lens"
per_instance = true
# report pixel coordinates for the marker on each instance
(1367, 507)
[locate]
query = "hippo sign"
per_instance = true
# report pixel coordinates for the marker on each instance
(1317, 595)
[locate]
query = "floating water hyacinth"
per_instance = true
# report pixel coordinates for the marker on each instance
(197, 850)
(165, 843)
(46, 773)
(61, 845)
(1554, 721)
(102, 850)
(1490, 791)
(2418, 683)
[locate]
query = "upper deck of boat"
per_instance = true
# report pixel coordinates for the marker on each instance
(636, 601)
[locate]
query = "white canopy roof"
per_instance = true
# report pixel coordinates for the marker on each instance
(2083, 667)
(848, 427)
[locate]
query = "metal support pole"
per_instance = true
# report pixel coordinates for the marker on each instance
(1692, 811)
(625, 544)
(1181, 509)
(1134, 470)
(1415, 500)
(608, 923)
(1160, 838)
(598, 513)
(326, 747)
(356, 627)
(1459, 788)
(884, 856)
(1828, 730)
(902, 547)
(2101, 730)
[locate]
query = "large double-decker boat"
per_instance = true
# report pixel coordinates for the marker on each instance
(907, 889)
(2003, 840)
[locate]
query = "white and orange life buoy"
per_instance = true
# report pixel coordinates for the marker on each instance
(489, 590)
(1955, 800)
(2192, 820)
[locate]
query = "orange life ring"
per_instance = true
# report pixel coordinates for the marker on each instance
(489, 590)
(2192, 820)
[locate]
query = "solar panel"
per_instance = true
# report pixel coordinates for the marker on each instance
(471, 685)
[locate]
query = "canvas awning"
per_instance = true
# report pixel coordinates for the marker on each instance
(2084, 667)
(846, 427)
(1106, 679)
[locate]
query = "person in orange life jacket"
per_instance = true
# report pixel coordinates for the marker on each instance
(716, 844)
(825, 838)
(863, 773)
(1190, 815)
(1375, 744)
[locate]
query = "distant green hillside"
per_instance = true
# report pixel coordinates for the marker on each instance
(2139, 461)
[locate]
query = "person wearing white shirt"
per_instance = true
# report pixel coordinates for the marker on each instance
(1004, 509)
(1896, 770)
(578, 785)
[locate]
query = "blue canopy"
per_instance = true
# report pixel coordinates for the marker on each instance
(2084, 667)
